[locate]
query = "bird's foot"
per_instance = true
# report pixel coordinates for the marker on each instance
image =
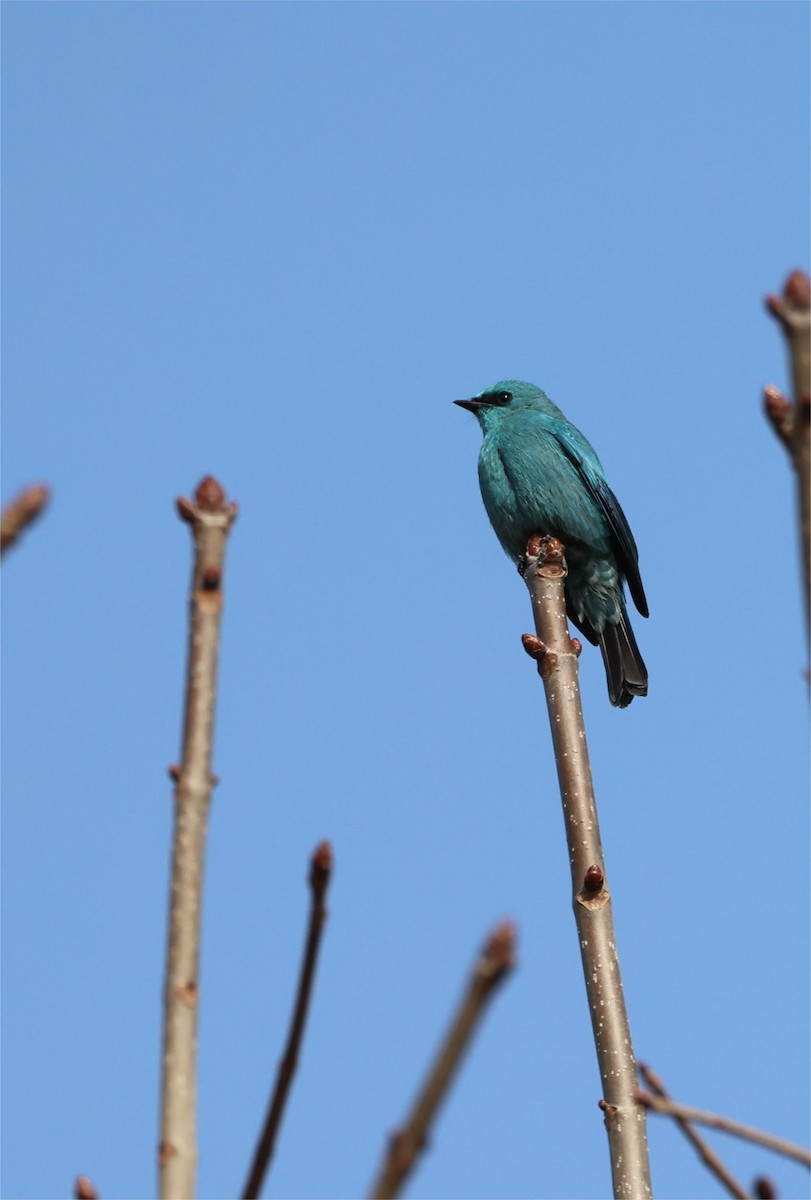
(542, 546)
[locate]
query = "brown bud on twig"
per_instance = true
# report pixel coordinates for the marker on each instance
(210, 494)
(499, 949)
(208, 498)
(533, 645)
(321, 861)
(764, 1188)
(779, 413)
(83, 1189)
(535, 648)
(321, 865)
(210, 579)
(594, 880)
(797, 290)
(794, 304)
(185, 509)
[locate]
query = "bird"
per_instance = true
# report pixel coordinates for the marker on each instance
(539, 475)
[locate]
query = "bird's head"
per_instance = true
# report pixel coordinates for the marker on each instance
(493, 404)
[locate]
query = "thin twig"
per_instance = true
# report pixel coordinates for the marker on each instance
(83, 1189)
(497, 959)
(556, 653)
(210, 518)
(20, 512)
(793, 311)
(320, 873)
(770, 1140)
(705, 1152)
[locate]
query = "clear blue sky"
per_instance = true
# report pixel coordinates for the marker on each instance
(274, 242)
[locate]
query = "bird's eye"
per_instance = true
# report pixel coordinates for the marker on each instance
(504, 397)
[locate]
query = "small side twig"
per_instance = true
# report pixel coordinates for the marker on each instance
(20, 512)
(792, 423)
(210, 518)
(556, 653)
(770, 1140)
(705, 1152)
(497, 959)
(83, 1189)
(320, 873)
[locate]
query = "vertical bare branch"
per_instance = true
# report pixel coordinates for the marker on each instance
(20, 512)
(792, 423)
(320, 873)
(496, 960)
(210, 518)
(556, 654)
(705, 1152)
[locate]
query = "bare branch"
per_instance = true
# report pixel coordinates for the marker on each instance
(793, 311)
(705, 1152)
(320, 873)
(770, 1140)
(407, 1143)
(544, 571)
(21, 512)
(210, 518)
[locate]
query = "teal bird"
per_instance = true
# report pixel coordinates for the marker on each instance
(539, 475)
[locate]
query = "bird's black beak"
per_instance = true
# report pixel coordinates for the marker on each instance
(472, 405)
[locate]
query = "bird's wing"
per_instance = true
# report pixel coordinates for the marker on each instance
(580, 453)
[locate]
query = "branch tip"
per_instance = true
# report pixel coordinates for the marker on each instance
(321, 864)
(322, 855)
(210, 494)
(320, 869)
(797, 290)
(764, 1188)
(499, 949)
(792, 308)
(21, 511)
(83, 1189)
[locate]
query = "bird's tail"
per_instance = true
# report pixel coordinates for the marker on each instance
(626, 672)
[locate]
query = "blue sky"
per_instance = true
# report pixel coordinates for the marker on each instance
(274, 242)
